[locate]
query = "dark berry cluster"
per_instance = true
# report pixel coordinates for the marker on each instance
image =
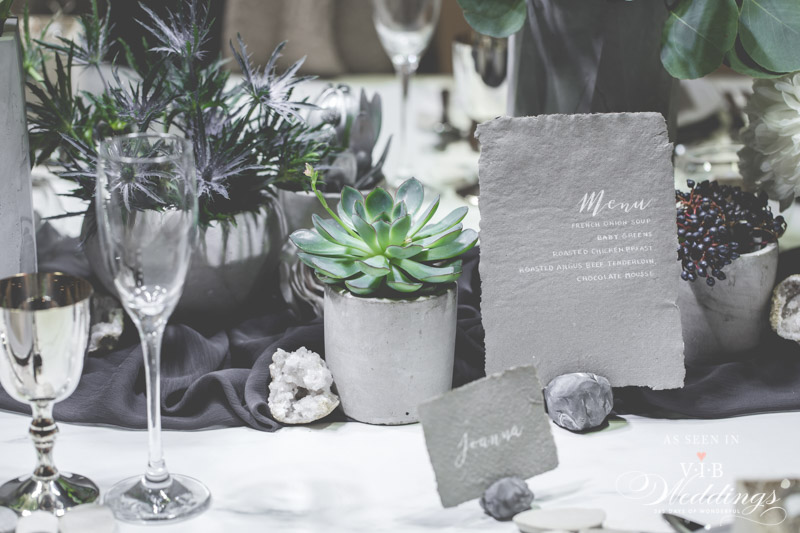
(716, 223)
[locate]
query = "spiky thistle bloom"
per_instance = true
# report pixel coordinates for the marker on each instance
(183, 33)
(267, 86)
(141, 102)
(245, 138)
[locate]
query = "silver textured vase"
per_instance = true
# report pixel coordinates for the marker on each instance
(730, 317)
(230, 262)
(300, 206)
(388, 356)
(300, 288)
(17, 240)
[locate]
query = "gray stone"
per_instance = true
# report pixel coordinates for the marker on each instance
(579, 401)
(506, 497)
(300, 390)
(785, 314)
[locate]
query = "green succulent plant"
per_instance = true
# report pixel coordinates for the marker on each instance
(384, 246)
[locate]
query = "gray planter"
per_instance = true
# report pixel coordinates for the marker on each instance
(388, 356)
(299, 206)
(17, 239)
(721, 321)
(574, 56)
(228, 266)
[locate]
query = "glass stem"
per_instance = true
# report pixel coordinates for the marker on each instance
(43, 432)
(404, 72)
(151, 331)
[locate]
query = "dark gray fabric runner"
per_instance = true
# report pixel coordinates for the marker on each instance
(211, 375)
(217, 375)
(767, 379)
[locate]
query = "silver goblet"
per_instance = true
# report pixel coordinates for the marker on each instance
(44, 329)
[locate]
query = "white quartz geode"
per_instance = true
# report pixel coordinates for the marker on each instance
(300, 390)
(785, 313)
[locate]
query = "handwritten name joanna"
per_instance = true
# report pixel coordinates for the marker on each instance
(495, 440)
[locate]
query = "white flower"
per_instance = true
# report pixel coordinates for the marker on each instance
(770, 159)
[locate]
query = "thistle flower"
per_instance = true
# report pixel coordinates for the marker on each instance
(244, 138)
(224, 150)
(184, 33)
(272, 90)
(95, 42)
(141, 102)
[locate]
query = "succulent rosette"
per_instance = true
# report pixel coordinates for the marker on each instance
(384, 246)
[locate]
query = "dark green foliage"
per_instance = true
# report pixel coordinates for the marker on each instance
(246, 137)
(757, 38)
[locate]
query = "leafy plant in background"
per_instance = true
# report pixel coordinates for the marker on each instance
(384, 246)
(33, 56)
(759, 38)
(354, 125)
(5, 11)
(717, 223)
(245, 138)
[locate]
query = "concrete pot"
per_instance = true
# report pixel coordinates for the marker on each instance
(730, 317)
(17, 239)
(388, 356)
(228, 264)
(299, 206)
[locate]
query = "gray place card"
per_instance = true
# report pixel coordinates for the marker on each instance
(486, 430)
(579, 270)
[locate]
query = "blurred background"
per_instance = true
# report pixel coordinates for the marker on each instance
(339, 39)
(453, 89)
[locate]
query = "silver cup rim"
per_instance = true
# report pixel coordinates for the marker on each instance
(85, 289)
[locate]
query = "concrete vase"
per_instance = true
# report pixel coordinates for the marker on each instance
(730, 317)
(228, 265)
(388, 356)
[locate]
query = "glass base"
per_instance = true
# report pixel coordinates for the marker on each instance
(179, 498)
(25, 495)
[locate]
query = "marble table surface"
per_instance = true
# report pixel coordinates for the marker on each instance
(354, 478)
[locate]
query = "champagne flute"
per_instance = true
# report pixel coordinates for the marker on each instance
(44, 329)
(146, 205)
(405, 28)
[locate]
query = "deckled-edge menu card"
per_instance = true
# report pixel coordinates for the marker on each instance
(578, 261)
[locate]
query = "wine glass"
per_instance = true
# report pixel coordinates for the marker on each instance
(146, 203)
(44, 329)
(405, 28)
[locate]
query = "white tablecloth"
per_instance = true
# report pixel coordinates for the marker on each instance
(353, 477)
(348, 478)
